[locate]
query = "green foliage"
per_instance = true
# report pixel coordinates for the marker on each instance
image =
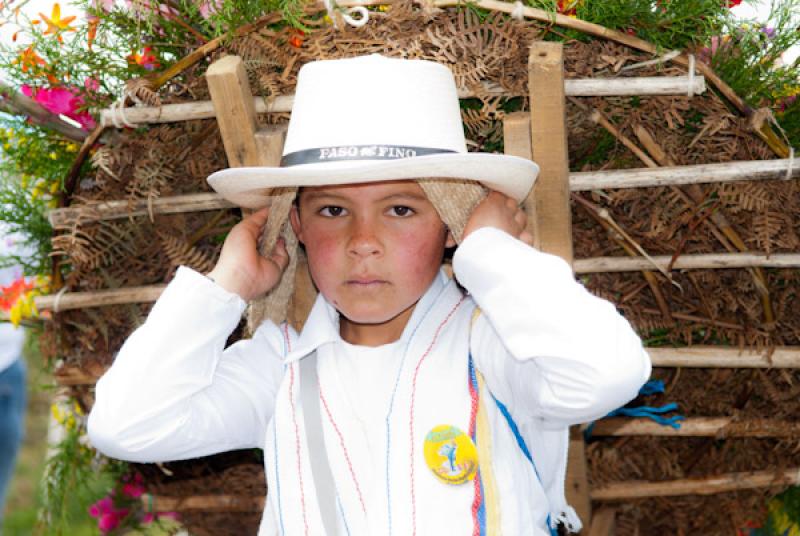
(669, 24)
(32, 167)
(748, 59)
(71, 476)
(25, 216)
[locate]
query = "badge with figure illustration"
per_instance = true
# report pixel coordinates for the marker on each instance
(450, 454)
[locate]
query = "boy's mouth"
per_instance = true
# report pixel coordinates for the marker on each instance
(365, 282)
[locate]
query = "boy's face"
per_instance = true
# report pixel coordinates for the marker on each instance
(373, 250)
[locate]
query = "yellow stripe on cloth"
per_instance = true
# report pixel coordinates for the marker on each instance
(484, 436)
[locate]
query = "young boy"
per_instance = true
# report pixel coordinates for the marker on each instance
(401, 408)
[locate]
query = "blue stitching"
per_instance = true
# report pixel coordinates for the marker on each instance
(391, 403)
(341, 511)
(277, 475)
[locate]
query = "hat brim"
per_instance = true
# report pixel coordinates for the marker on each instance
(249, 187)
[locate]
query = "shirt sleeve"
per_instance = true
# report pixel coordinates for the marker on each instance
(174, 392)
(547, 347)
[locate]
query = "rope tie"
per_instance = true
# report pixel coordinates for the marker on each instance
(690, 91)
(790, 167)
(118, 116)
(347, 14)
(518, 12)
(57, 301)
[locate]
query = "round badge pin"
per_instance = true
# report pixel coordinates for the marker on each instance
(450, 454)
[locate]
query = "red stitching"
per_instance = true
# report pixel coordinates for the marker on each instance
(478, 498)
(297, 442)
(286, 336)
(341, 443)
(411, 421)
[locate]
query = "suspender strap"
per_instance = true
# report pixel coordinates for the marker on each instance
(318, 456)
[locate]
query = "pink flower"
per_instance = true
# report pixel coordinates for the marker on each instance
(207, 7)
(102, 507)
(110, 521)
(134, 491)
(61, 100)
(105, 5)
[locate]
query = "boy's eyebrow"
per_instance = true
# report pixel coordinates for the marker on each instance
(313, 196)
(405, 195)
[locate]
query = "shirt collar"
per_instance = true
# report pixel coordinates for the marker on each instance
(322, 325)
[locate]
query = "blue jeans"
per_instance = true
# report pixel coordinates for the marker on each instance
(12, 420)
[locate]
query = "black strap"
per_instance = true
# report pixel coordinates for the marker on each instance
(357, 152)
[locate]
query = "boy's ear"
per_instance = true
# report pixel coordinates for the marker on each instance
(294, 220)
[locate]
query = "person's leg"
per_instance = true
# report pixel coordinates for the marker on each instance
(12, 421)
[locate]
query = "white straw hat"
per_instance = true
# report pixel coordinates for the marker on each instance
(369, 119)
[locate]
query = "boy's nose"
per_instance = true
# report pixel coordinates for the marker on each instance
(364, 241)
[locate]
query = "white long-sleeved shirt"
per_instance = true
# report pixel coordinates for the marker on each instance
(551, 352)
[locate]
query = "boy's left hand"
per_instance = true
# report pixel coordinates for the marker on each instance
(501, 212)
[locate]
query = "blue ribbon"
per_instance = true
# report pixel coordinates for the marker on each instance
(649, 412)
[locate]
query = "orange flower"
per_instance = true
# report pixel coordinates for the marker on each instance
(55, 24)
(297, 39)
(92, 30)
(145, 59)
(12, 293)
(568, 7)
(30, 60)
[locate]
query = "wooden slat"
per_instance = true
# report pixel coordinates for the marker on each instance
(550, 194)
(98, 298)
(748, 170)
(582, 87)
(235, 111)
(637, 489)
(205, 503)
(725, 357)
(686, 262)
(551, 210)
(697, 427)
(603, 522)
(62, 218)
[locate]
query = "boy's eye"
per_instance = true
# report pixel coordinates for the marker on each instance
(402, 210)
(331, 211)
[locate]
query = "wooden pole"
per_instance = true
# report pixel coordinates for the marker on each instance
(578, 181)
(551, 210)
(235, 111)
(690, 357)
(586, 87)
(725, 357)
(687, 262)
(676, 175)
(64, 218)
(697, 427)
(603, 522)
(15, 103)
(205, 503)
(99, 298)
(637, 489)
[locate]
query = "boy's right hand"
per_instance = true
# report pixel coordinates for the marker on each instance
(241, 269)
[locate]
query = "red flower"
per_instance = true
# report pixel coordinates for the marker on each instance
(146, 60)
(13, 292)
(297, 39)
(732, 3)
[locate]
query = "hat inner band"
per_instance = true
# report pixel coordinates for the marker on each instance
(357, 152)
